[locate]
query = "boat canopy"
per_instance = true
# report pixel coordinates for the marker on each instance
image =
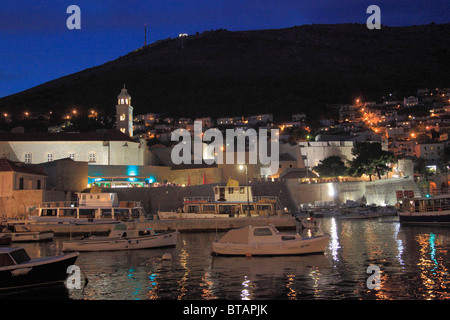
(13, 256)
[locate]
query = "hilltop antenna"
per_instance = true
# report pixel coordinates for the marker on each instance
(145, 34)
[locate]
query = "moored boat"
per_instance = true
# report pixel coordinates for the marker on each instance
(31, 236)
(232, 200)
(124, 237)
(20, 233)
(267, 241)
(18, 270)
(428, 210)
(90, 208)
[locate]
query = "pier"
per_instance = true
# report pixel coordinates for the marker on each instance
(284, 222)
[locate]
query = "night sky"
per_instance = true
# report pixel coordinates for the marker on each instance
(36, 45)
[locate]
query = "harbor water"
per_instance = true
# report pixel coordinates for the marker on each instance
(366, 259)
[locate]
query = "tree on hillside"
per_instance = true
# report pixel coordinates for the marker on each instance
(369, 159)
(332, 166)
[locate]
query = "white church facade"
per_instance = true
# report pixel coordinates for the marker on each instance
(102, 148)
(110, 147)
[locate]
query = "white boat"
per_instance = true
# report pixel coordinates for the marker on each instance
(90, 208)
(310, 223)
(124, 237)
(31, 236)
(19, 233)
(232, 200)
(267, 241)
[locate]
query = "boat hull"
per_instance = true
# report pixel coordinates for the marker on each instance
(36, 272)
(161, 240)
(431, 218)
(31, 236)
(313, 245)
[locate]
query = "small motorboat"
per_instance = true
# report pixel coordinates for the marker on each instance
(310, 223)
(123, 237)
(18, 270)
(20, 233)
(267, 241)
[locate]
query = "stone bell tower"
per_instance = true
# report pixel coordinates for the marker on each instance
(124, 113)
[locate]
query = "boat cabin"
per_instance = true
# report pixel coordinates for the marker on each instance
(231, 200)
(98, 200)
(94, 205)
(424, 204)
(233, 193)
(121, 230)
(13, 256)
(257, 234)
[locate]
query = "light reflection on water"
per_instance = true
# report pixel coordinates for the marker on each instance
(413, 263)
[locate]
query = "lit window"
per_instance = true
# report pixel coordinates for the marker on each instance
(122, 117)
(92, 157)
(122, 130)
(27, 158)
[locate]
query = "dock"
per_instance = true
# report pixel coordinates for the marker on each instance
(284, 222)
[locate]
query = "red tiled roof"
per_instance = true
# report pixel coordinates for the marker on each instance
(109, 135)
(7, 165)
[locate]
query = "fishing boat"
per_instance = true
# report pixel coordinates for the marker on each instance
(267, 241)
(427, 210)
(308, 222)
(229, 201)
(18, 270)
(124, 237)
(90, 208)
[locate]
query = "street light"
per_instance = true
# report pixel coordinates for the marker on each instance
(241, 167)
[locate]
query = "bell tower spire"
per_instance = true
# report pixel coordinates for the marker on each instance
(124, 112)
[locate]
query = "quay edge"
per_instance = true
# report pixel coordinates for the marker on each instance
(182, 225)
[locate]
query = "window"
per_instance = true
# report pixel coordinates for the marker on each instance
(27, 158)
(38, 184)
(21, 184)
(209, 208)
(262, 232)
(122, 117)
(92, 157)
(49, 157)
(193, 209)
(72, 156)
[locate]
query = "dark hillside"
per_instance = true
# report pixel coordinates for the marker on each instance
(282, 71)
